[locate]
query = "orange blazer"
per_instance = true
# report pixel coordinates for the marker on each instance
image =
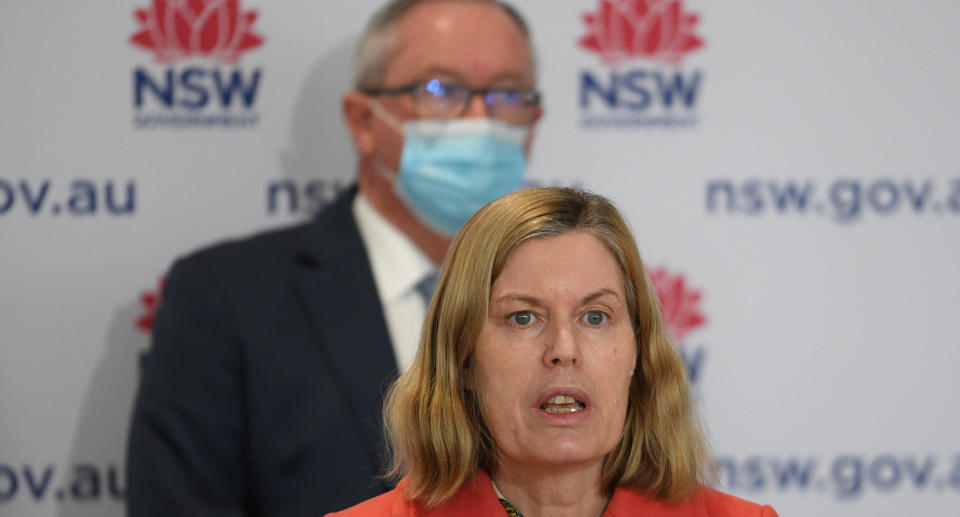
(477, 498)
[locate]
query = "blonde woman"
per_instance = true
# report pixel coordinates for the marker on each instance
(545, 383)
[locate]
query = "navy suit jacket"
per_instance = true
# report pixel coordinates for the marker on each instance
(263, 389)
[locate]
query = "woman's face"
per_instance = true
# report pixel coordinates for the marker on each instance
(555, 356)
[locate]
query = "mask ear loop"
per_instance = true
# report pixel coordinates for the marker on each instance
(387, 118)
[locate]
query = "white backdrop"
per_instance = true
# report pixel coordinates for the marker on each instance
(799, 200)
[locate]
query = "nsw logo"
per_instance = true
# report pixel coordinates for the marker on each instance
(643, 44)
(149, 302)
(196, 80)
(680, 305)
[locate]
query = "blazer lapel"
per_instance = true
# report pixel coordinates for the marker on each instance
(340, 299)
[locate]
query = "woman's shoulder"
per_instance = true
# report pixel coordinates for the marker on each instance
(707, 502)
(390, 503)
(475, 498)
(734, 506)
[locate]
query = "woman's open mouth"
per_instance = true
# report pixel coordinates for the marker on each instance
(562, 404)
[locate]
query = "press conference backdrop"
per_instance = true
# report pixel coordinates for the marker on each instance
(790, 169)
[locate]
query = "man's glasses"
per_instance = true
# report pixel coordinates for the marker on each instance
(435, 99)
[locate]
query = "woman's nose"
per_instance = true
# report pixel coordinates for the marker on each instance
(562, 348)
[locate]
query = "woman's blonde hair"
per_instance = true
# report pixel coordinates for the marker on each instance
(433, 421)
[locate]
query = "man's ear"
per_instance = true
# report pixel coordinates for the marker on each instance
(359, 119)
(533, 130)
(537, 114)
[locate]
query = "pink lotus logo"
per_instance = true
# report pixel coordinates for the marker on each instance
(213, 29)
(679, 303)
(150, 300)
(653, 29)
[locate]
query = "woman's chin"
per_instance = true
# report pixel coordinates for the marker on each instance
(561, 451)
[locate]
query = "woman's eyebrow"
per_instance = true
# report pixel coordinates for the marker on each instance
(600, 293)
(532, 300)
(519, 297)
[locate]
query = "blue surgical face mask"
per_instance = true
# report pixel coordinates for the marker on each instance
(449, 169)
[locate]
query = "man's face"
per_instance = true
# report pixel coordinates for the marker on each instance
(473, 44)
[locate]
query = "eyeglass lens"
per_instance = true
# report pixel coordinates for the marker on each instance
(435, 99)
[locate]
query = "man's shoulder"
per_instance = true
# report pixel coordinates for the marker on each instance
(278, 246)
(239, 257)
(267, 244)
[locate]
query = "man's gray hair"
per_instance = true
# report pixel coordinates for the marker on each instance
(378, 41)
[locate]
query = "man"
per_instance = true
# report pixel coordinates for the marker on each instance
(270, 356)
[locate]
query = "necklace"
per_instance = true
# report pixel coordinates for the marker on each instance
(511, 509)
(507, 505)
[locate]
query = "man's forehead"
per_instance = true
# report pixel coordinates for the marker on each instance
(439, 13)
(477, 42)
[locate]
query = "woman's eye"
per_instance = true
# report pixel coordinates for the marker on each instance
(522, 318)
(595, 317)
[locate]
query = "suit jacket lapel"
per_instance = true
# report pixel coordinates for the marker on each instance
(340, 299)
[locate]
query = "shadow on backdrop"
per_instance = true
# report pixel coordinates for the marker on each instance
(321, 160)
(93, 483)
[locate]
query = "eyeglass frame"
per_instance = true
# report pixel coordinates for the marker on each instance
(530, 98)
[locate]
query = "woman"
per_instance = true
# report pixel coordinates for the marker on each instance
(545, 383)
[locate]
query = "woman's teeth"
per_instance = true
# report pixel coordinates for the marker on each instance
(561, 404)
